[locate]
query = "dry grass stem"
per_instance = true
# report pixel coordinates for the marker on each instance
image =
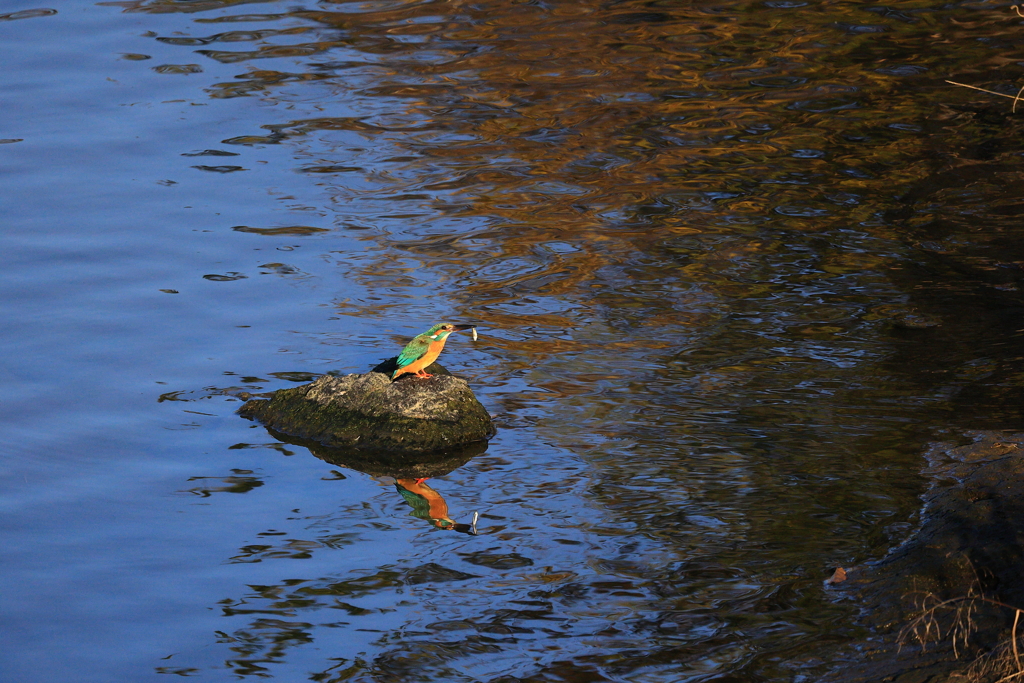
(955, 619)
(1015, 99)
(990, 92)
(1016, 654)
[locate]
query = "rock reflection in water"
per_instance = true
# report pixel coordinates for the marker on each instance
(409, 473)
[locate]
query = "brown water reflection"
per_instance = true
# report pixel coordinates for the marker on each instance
(695, 230)
(529, 156)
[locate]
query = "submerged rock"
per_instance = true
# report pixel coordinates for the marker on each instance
(369, 412)
(967, 555)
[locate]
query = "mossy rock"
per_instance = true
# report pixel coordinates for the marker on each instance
(369, 412)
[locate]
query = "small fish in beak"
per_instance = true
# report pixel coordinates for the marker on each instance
(467, 327)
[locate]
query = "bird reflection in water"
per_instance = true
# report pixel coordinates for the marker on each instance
(407, 472)
(428, 504)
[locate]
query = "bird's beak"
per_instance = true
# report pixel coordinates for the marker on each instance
(459, 328)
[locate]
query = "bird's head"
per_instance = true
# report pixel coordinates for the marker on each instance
(442, 330)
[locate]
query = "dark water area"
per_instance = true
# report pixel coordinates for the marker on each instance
(734, 265)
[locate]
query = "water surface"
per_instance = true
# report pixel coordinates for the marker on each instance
(710, 250)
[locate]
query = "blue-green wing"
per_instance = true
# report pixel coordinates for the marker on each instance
(413, 350)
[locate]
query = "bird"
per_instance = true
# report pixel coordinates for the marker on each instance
(425, 348)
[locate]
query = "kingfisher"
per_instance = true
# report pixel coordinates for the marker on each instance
(425, 348)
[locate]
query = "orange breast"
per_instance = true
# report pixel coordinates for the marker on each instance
(433, 351)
